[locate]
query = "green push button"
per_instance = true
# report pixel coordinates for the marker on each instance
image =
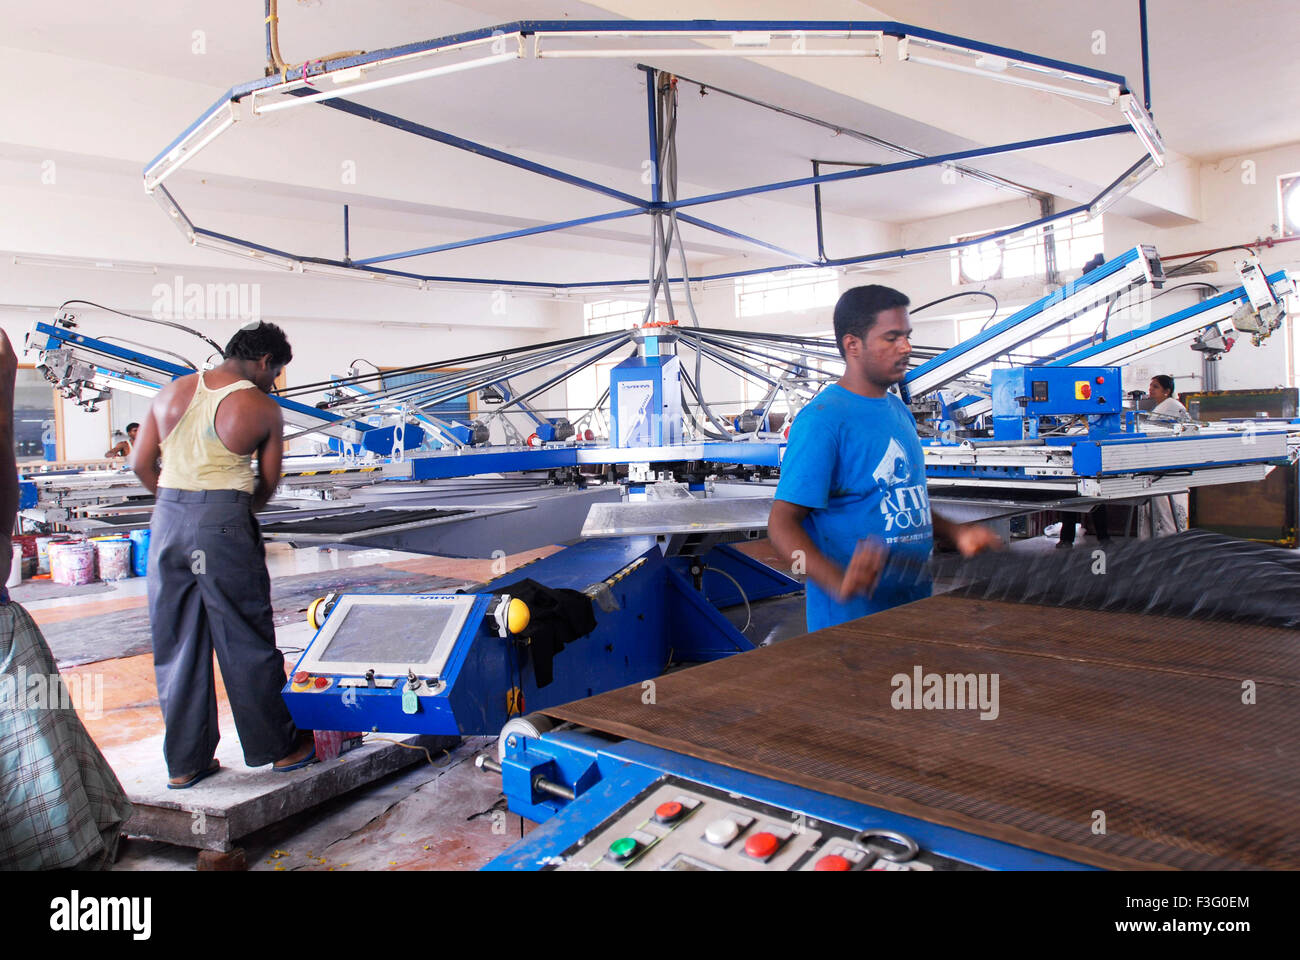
(623, 848)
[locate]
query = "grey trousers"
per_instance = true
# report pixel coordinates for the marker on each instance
(209, 590)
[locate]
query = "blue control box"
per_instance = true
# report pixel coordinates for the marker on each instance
(1027, 393)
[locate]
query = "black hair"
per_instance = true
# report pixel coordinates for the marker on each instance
(857, 309)
(1165, 381)
(255, 341)
(132, 426)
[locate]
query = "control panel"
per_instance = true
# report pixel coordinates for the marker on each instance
(1056, 391)
(1021, 395)
(679, 824)
(386, 662)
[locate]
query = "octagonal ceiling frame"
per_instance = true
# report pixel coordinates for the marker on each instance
(747, 38)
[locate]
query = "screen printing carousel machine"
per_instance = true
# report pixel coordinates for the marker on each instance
(1047, 713)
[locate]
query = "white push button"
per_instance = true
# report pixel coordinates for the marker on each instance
(721, 832)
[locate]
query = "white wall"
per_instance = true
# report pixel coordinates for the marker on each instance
(329, 323)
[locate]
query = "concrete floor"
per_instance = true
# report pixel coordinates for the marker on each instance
(440, 815)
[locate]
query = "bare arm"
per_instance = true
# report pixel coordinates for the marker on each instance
(148, 450)
(270, 456)
(8, 464)
(785, 529)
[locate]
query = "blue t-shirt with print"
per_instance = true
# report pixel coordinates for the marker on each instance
(857, 463)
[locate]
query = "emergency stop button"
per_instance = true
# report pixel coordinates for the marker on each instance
(762, 845)
(302, 676)
(832, 861)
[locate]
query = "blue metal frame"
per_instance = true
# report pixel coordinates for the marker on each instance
(607, 775)
(655, 204)
(58, 336)
(1020, 316)
(1081, 355)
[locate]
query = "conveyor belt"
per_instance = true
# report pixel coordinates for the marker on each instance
(1140, 717)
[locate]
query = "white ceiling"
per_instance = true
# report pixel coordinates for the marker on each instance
(1223, 75)
(1219, 80)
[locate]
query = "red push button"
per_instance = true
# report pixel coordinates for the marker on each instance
(322, 683)
(669, 812)
(832, 861)
(761, 845)
(302, 676)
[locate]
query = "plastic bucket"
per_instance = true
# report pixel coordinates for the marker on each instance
(72, 562)
(43, 553)
(25, 543)
(140, 559)
(113, 554)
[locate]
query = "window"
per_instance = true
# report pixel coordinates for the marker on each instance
(606, 315)
(1077, 240)
(1288, 202)
(34, 416)
(789, 291)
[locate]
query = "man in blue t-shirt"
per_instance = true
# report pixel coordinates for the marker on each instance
(852, 491)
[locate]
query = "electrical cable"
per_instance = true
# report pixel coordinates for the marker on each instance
(165, 323)
(1183, 266)
(749, 613)
(955, 296)
(433, 366)
(1157, 296)
(371, 738)
(276, 63)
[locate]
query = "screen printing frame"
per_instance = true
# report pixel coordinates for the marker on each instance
(315, 662)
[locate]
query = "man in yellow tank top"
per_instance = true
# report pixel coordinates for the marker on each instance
(209, 589)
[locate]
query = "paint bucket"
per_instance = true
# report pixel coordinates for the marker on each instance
(113, 555)
(28, 543)
(140, 543)
(72, 562)
(43, 554)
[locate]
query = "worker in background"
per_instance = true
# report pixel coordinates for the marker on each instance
(123, 449)
(208, 584)
(1161, 390)
(1168, 512)
(62, 806)
(1097, 519)
(852, 493)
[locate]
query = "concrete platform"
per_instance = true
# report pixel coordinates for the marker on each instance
(237, 801)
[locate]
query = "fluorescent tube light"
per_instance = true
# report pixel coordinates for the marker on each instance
(1144, 127)
(261, 256)
(349, 89)
(25, 261)
(1002, 70)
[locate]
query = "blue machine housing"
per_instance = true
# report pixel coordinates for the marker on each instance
(658, 617)
(1021, 395)
(645, 402)
(606, 776)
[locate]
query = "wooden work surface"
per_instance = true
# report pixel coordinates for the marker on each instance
(1137, 716)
